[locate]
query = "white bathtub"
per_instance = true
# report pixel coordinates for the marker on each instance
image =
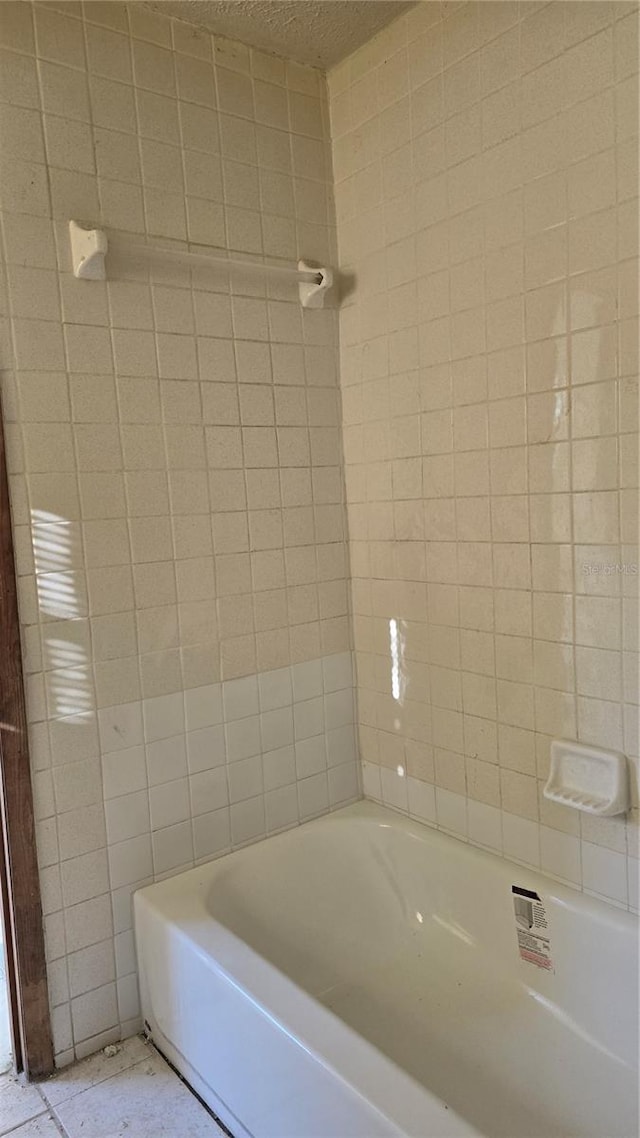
(360, 976)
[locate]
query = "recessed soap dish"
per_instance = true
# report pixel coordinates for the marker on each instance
(588, 778)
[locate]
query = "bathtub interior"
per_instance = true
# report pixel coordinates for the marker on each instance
(408, 937)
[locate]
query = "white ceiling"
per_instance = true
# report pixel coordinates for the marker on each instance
(319, 32)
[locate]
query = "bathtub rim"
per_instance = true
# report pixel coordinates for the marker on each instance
(569, 896)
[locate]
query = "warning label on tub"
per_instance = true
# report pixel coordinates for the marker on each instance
(532, 928)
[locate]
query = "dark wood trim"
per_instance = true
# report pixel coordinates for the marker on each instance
(24, 928)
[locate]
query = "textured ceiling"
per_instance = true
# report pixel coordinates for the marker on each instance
(319, 32)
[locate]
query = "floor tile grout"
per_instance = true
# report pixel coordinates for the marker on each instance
(55, 1101)
(51, 1112)
(12, 1129)
(58, 1124)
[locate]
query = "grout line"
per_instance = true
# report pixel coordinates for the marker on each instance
(32, 1118)
(57, 1123)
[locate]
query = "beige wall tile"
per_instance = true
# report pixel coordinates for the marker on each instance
(507, 292)
(146, 406)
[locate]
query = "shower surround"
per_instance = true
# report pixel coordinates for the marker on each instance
(176, 445)
(485, 164)
(175, 461)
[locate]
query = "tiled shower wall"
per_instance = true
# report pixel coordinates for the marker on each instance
(485, 159)
(174, 443)
(175, 459)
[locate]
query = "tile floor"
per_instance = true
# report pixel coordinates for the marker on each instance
(133, 1093)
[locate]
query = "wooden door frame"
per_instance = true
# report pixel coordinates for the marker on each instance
(19, 876)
